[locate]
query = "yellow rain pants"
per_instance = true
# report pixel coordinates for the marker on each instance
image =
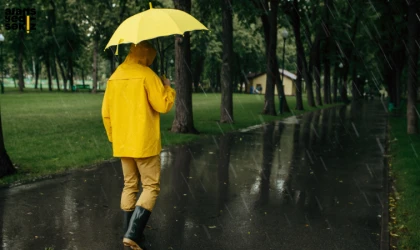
(148, 171)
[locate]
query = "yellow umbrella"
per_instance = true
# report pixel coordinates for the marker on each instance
(154, 23)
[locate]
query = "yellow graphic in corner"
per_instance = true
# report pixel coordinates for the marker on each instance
(28, 24)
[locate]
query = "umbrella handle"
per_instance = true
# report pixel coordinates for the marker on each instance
(120, 41)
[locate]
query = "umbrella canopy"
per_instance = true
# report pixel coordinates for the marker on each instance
(154, 23)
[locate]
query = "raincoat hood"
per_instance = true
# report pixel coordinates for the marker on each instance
(142, 53)
(140, 56)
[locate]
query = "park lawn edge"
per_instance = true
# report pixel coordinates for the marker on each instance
(26, 178)
(404, 186)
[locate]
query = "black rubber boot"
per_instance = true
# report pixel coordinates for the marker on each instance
(126, 220)
(134, 237)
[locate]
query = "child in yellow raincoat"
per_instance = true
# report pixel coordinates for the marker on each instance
(134, 98)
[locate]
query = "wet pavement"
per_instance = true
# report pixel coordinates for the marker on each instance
(311, 182)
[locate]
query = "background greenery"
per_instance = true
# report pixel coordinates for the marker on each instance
(48, 133)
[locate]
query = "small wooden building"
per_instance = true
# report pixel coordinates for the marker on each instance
(257, 83)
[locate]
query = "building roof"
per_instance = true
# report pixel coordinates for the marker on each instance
(251, 75)
(286, 73)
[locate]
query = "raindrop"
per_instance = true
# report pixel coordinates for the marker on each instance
(246, 206)
(215, 142)
(323, 163)
(205, 190)
(228, 211)
(186, 182)
(233, 170)
(355, 130)
(367, 201)
(380, 200)
(309, 155)
(220, 128)
(370, 171)
(203, 90)
(415, 152)
(380, 145)
(319, 203)
(313, 128)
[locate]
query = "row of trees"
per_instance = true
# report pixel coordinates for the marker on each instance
(374, 41)
(350, 43)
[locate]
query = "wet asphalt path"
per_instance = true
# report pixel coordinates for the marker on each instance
(312, 182)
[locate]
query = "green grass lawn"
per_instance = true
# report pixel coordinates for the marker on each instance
(405, 170)
(48, 133)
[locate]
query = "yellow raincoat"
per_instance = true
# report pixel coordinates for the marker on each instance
(133, 99)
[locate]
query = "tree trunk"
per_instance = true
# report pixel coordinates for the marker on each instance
(271, 53)
(284, 107)
(314, 67)
(398, 74)
(294, 16)
(354, 83)
(326, 58)
(70, 61)
(299, 102)
(37, 73)
(400, 59)
(198, 70)
(413, 56)
(63, 75)
(6, 166)
(95, 66)
(357, 90)
(335, 84)
(349, 55)
(183, 122)
(327, 75)
(317, 73)
(21, 82)
(388, 81)
(343, 89)
(48, 68)
(54, 69)
(300, 51)
(226, 108)
(267, 18)
(83, 77)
